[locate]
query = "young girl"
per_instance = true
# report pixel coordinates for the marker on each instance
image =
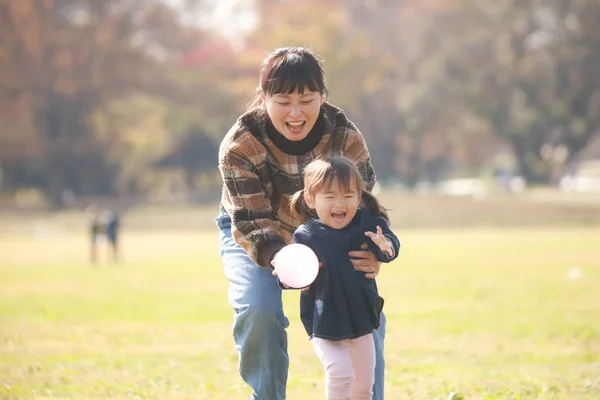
(342, 307)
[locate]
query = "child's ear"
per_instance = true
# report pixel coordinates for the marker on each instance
(309, 200)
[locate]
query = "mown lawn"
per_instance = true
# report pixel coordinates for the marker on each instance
(510, 313)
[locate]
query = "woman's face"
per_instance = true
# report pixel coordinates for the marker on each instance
(294, 115)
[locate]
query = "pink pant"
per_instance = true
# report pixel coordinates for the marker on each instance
(349, 367)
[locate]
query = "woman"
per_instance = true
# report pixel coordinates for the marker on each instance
(261, 160)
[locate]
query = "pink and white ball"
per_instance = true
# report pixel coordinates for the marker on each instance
(297, 266)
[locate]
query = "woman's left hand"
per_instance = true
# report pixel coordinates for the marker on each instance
(365, 261)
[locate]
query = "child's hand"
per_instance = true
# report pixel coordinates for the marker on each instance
(273, 264)
(380, 240)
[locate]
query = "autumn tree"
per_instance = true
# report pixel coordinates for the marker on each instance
(530, 69)
(61, 61)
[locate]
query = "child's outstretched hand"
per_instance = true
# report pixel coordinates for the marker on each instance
(380, 240)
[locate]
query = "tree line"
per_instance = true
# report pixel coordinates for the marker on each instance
(123, 97)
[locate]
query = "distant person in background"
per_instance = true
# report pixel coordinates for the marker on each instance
(261, 160)
(68, 197)
(103, 224)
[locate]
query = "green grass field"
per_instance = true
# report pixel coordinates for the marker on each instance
(491, 313)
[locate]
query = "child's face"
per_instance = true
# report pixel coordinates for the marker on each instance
(335, 206)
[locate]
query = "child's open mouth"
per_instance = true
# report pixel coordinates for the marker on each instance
(338, 216)
(295, 127)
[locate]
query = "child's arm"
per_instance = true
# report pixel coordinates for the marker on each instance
(384, 242)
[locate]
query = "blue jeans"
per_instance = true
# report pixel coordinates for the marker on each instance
(259, 323)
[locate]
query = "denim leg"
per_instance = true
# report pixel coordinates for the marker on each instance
(378, 338)
(259, 323)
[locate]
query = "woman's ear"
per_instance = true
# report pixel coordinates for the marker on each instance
(309, 200)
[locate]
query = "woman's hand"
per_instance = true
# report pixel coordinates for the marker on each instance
(365, 261)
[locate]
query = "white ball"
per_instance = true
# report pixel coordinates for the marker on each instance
(296, 265)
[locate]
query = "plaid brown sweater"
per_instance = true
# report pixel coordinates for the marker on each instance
(261, 170)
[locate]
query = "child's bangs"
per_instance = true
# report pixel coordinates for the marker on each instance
(343, 176)
(294, 76)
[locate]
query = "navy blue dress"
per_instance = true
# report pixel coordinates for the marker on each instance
(342, 303)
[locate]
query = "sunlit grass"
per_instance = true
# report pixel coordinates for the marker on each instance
(489, 312)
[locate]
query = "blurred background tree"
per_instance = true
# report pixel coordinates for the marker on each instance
(530, 70)
(63, 64)
(132, 97)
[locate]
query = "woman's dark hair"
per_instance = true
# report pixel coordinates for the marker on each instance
(321, 173)
(288, 70)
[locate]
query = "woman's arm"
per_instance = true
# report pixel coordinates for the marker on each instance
(253, 225)
(357, 151)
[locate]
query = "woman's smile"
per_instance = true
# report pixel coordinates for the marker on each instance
(295, 127)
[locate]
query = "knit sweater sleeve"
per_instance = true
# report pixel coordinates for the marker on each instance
(253, 225)
(356, 150)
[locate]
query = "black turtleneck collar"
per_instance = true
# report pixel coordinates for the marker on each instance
(301, 147)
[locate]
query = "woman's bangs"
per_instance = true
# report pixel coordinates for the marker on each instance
(291, 78)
